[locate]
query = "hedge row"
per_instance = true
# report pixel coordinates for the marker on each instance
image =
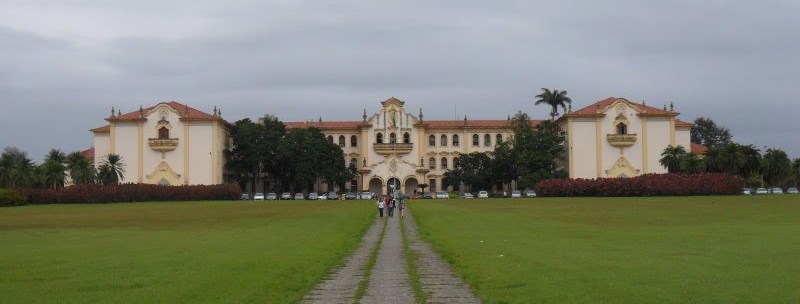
(96, 194)
(644, 185)
(10, 197)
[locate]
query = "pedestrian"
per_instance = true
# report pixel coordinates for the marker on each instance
(401, 206)
(391, 207)
(380, 206)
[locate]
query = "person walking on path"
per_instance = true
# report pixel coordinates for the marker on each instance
(391, 206)
(401, 205)
(381, 205)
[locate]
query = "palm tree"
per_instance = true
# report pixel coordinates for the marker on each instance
(112, 170)
(752, 161)
(53, 175)
(671, 158)
(80, 169)
(555, 99)
(691, 164)
(731, 159)
(55, 155)
(775, 166)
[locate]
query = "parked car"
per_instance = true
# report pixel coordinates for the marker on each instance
(416, 196)
(516, 194)
(467, 195)
(272, 196)
(332, 195)
(427, 195)
(322, 196)
(245, 197)
(442, 195)
(529, 193)
(366, 195)
(776, 190)
(746, 191)
(313, 196)
(299, 196)
(762, 191)
(286, 196)
(258, 196)
(483, 194)
(350, 195)
(791, 190)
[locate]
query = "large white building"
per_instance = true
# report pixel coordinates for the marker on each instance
(174, 144)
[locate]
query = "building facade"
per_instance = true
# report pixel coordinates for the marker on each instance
(169, 144)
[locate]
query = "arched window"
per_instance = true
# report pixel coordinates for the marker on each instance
(487, 140)
(432, 163)
(455, 162)
(443, 141)
(392, 138)
(379, 138)
(330, 139)
(341, 141)
(455, 140)
(406, 138)
(354, 162)
(499, 138)
(475, 140)
(354, 141)
(432, 141)
(163, 133)
(444, 163)
(622, 128)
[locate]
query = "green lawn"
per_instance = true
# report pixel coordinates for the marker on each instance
(225, 252)
(621, 250)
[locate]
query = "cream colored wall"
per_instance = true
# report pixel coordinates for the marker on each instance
(584, 149)
(126, 146)
(152, 158)
(684, 138)
(101, 147)
(632, 153)
(658, 138)
(200, 153)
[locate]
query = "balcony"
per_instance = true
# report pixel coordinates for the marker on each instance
(389, 149)
(621, 140)
(163, 145)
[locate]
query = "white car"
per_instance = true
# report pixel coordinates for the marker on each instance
(791, 190)
(366, 195)
(530, 193)
(467, 195)
(762, 191)
(286, 196)
(258, 196)
(746, 191)
(776, 190)
(271, 196)
(299, 196)
(516, 194)
(313, 196)
(322, 197)
(483, 194)
(442, 194)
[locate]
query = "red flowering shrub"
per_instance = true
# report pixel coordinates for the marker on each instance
(96, 194)
(644, 185)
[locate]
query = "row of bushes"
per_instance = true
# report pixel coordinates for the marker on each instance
(645, 185)
(96, 194)
(10, 197)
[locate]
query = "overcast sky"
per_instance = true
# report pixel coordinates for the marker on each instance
(64, 64)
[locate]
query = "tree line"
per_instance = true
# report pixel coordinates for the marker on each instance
(17, 170)
(773, 166)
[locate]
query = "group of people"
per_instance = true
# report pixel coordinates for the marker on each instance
(388, 203)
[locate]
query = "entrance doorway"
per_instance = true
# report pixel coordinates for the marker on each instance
(410, 186)
(375, 185)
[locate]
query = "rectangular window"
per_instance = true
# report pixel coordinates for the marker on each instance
(432, 185)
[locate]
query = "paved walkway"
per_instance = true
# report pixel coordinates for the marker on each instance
(389, 281)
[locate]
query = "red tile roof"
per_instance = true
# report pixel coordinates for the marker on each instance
(681, 123)
(103, 129)
(592, 109)
(89, 154)
(438, 124)
(698, 149)
(184, 111)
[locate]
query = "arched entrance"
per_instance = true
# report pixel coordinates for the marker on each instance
(393, 184)
(375, 185)
(410, 185)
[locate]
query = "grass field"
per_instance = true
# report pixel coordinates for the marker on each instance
(226, 252)
(621, 250)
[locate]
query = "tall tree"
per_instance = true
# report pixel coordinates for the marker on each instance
(271, 132)
(16, 169)
(537, 151)
(671, 158)
(53, 169)
(112, 170)
(554, 99)
(243, 158)
(691, 164)
(752, 161)
(775, 167)
(471, 170)
(80, 169)
(731, 159)
(504, 165)
(706, 132)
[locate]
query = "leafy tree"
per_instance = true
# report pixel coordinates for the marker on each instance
(554, 99)
(752, 161)
(691, 164)
(112, 170)
(81, 171)
(537, 152)
(53, 175)
(671, 158)
(504, 165)
(271, 131)
(775, 167)
(471, 170)
(706, 132)
(16, 169)
(731, 158)
(243, 162)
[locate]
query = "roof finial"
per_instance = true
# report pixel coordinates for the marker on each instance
(509, 117)
(644, 103)
(364, 117)
(112, 111)
(219, 112)
(465, 119)
(665, 107)
(215, 111)
(569, 107)
(141, 111)
(186, 109)
(671, 106)
(420, 114)
(320, 119)
(119, 113)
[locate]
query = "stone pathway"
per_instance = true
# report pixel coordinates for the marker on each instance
(389, 281)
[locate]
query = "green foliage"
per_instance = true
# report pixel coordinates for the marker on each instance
(706, 132)
(776, 167)
(9, 197)
(111, 170)
(554, 99)
(672, 157)
(538, 152)
(471, 170)
(80, 169)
